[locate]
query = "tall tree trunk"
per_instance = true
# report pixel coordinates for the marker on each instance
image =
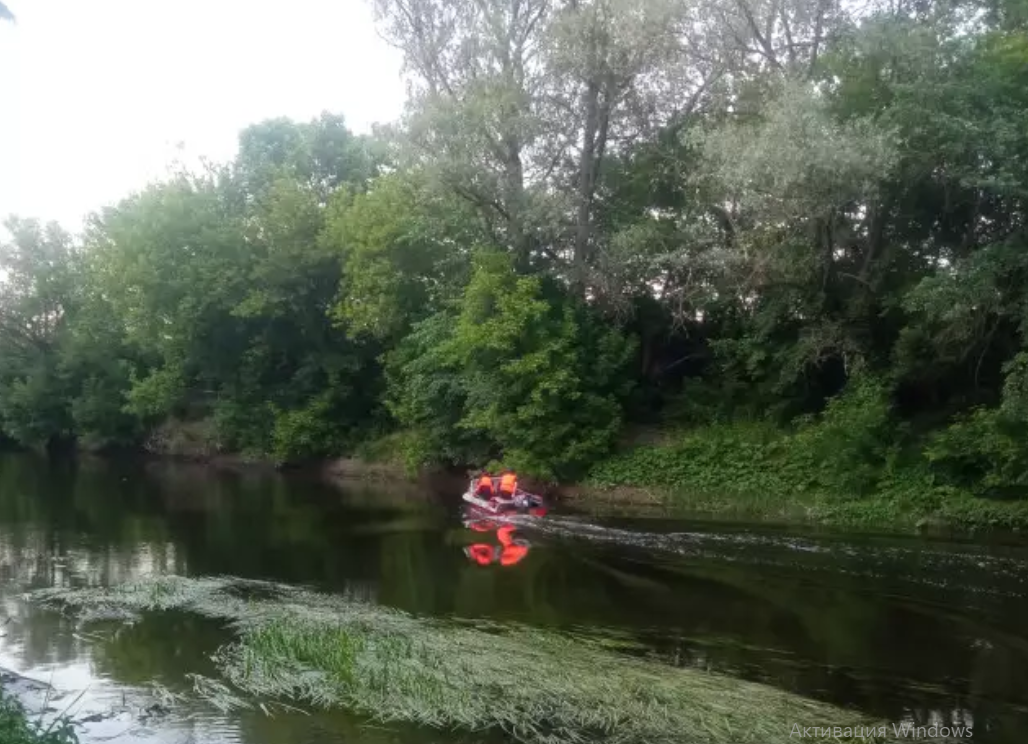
(826, 238)
(514, 196)
(587, 162)
(597, 100)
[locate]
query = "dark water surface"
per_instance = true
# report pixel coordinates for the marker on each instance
(903, 628)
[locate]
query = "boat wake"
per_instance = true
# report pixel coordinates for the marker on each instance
(911, 559)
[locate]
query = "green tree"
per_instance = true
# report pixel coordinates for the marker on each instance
(38, 294)
(533, 372)
(223, 287)
(515, 107)
(404, 251)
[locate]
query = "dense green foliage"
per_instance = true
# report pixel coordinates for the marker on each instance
(798, 219)
(539, 377)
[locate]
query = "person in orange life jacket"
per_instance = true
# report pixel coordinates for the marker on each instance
(485, 488)
(510, 489)
(508, 484)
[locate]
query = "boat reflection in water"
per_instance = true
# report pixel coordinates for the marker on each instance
(506, 546)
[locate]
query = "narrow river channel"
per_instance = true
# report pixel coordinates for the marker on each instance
(901, 628)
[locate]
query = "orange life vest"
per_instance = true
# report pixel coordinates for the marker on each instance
(508, 484)
(485, 486)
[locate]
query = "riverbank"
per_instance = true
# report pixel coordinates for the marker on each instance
(756, 473)
(722, 472)
(749, 472)
(888, 511)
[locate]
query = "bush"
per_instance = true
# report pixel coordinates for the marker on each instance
(244, 424)
(33, 408)
(700, 401)
(986, 449)
(983, 451)
(727, 457)
(99, 415)
(521, 369)
(849, 445)
(185, 439)
(427, 395)
(306, 432)
(387, 449)
(844, 452)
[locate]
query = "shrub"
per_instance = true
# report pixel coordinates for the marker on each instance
(185, 439)
(306, 432)
(844, 451)
(986, 449)
(728, 457)
(521, 369)
(849, 445)
(983, 451)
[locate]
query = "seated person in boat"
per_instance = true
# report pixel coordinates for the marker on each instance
(508, 484)
(485, 488)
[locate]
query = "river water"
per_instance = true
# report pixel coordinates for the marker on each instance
(906, 629)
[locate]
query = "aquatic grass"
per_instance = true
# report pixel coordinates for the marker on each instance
(163, 696)
(16, 728)
(217, 693)
(539, 686)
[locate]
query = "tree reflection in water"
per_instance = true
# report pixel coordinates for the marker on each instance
(900, 628)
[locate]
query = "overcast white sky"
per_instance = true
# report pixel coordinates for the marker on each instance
(95, 95)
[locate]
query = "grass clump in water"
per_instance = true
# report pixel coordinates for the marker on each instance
(539, 686)
(16, 728)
